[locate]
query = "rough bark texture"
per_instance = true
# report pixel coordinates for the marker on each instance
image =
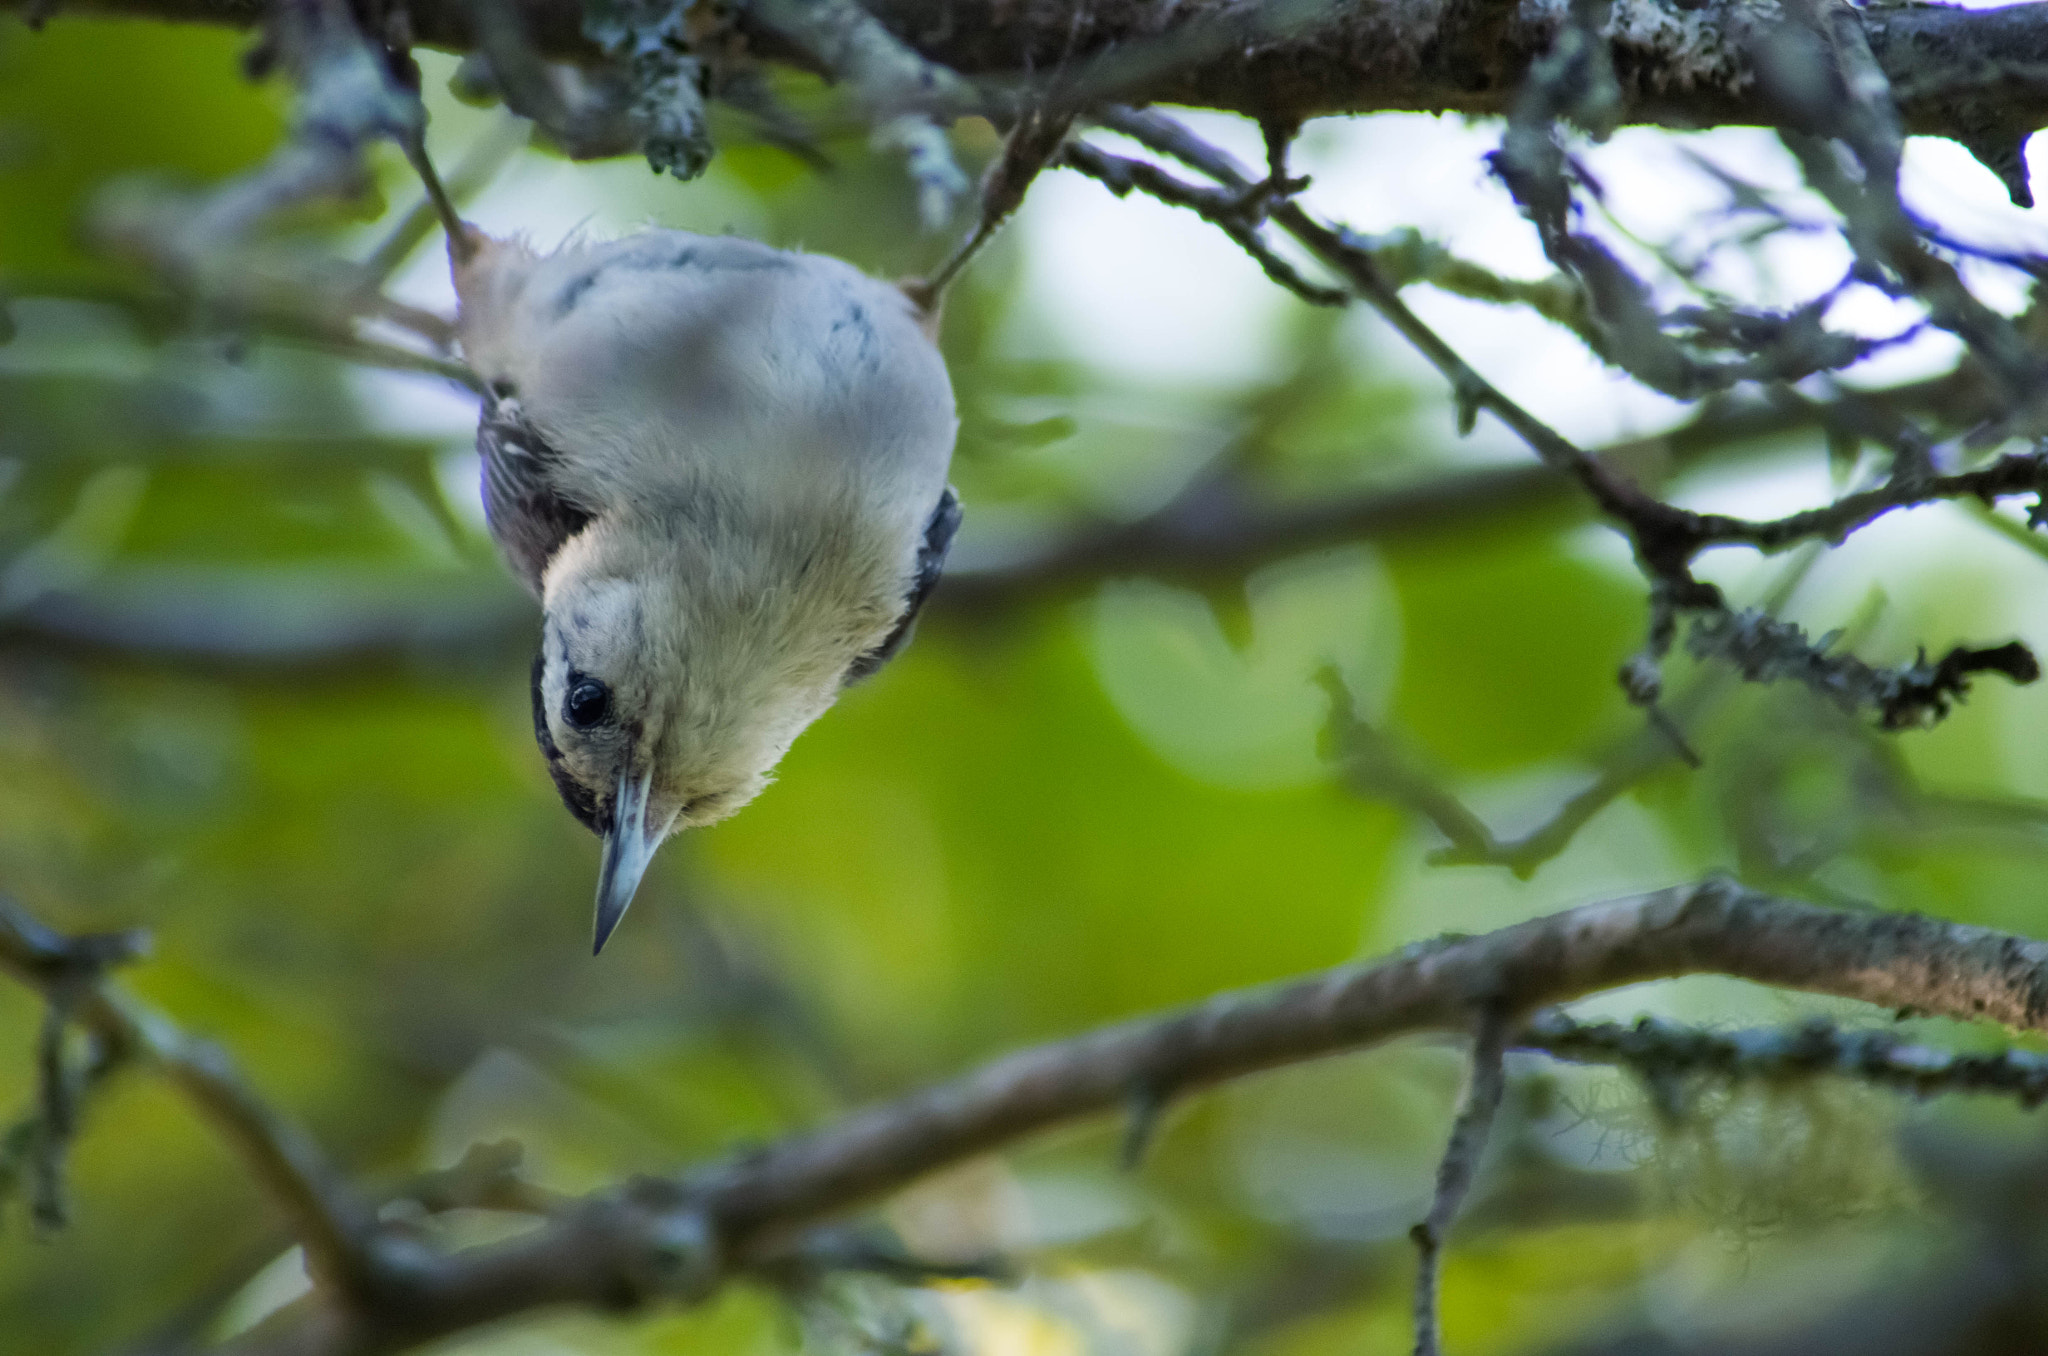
(1977, 75)
(680, 1238)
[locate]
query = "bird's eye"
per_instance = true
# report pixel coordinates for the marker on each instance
(588, 702)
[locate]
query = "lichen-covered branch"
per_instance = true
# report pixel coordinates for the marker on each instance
(325, 1215)
(1664, 1054)
(1978, 75)
(1765, 649)
(679, 1238)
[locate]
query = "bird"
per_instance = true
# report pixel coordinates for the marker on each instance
(722, 469)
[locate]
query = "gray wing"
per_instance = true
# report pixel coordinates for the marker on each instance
(931, 560)
(528, 515)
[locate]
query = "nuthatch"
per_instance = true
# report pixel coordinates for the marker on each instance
(721, 468)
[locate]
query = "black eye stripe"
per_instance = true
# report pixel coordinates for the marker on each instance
(582, 802)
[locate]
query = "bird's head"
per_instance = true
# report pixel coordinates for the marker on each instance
(664, 696)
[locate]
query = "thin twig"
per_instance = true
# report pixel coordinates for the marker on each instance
(488, 154)
(1764, 649)
(1376, 766)
(335, 1225)
(268, 305)
(1875, 221)
(1033, 141)
(1355, 263)
(1229, 212)
(1660, 1050)
(1457, 1168)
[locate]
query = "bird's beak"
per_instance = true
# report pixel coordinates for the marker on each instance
(628, 848)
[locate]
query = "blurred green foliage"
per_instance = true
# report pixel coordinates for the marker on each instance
(62, 143)
(1042, 817)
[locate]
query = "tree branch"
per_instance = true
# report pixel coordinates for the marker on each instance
(1216, 530)
(1980, 76)
(1662, 1052)
(679, 1237)
(324, 1214)
(1458, 1168)
(1765, 649)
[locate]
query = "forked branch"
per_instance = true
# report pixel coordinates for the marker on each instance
(680, 1238)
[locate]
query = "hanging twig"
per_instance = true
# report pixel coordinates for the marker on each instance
(1457, 1168)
